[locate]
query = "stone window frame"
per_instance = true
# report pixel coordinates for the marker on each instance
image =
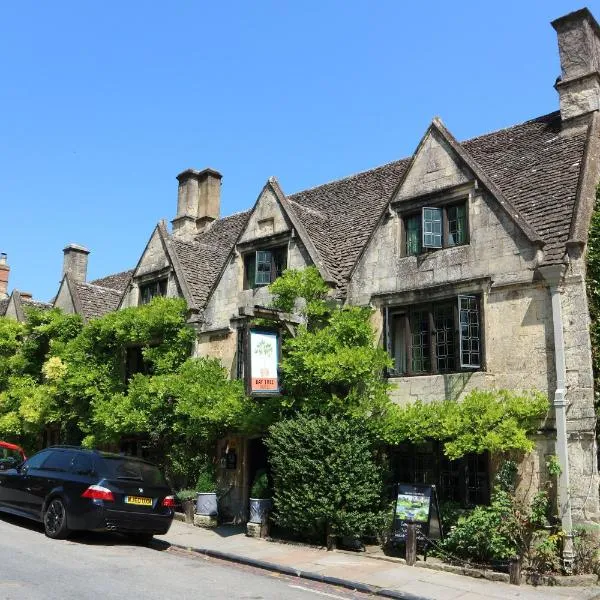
(276, 245)
(417, 209)
(403, 302)
(424, 344)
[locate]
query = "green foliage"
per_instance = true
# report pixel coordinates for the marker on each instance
(486, 420)
(508, 527)
(553, 466)
(326, 479)
(305, 284)
(207, 480)
(593, 289)
(184, 495)
(586, 546)
(260, 486)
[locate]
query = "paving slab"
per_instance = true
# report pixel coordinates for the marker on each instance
(383, 577)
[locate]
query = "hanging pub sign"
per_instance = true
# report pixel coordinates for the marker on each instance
(262, 368)
(417, 503)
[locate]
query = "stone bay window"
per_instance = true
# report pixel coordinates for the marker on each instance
(437, 337)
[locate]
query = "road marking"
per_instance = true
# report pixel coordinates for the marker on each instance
(300, 587)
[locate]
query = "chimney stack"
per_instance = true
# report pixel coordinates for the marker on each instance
(75, 262)
(4, 272)
(579, 47)
(25, 295)
(198, 201)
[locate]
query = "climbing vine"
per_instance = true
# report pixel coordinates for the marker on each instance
(593, 290)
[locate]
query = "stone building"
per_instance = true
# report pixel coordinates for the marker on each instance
(12, 305)
(88, 299)
(471, 253)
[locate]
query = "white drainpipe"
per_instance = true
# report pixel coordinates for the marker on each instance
(560, 412)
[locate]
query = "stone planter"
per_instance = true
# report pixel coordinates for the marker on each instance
(206, 504)
(259, 510)
(189, 508)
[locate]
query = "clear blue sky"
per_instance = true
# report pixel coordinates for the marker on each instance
(102, 104)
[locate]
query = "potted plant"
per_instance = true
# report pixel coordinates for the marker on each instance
(187, 499)
(206, 500)
(260, 498)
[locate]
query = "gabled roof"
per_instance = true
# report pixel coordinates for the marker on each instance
(532, 165)
(201, 261)
(94, 300)
(21, 302)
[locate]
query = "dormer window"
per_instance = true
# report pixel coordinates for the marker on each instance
(435, 227)
(149, 290)
(263, 267)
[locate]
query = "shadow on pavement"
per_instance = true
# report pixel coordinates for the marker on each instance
(89, 538)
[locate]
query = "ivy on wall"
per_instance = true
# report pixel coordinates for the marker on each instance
(593, 290)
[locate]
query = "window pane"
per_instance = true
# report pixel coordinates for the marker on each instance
(445, 348)
(470, 351)
(457, 225)
(419, 333)
(152, 289)
(279, 262)
(59, 461)
(263, 267)
(432, 227)
(413, 235)
(250, 265)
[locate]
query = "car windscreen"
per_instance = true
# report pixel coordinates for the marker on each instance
(125, 469)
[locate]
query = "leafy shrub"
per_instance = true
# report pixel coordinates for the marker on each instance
(325, 477)
(207, 480)
(587, 552)
(183, 495)
(508, 527)
(260, 487)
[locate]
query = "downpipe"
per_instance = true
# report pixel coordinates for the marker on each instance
(560, 415)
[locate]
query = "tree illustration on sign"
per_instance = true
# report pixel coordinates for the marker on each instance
(264, 349)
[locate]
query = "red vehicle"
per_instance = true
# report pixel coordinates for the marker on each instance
(11, 456)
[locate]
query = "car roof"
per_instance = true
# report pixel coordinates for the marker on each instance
(100, 453)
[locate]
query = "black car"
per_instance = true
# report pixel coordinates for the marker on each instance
(69, 488)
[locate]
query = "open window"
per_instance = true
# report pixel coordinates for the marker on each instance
(438, 337)
(435, 227)
(262, 267)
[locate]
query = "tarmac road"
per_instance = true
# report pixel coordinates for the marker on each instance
(106, 566)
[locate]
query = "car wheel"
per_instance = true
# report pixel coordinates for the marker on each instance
(55, 520)
(142, 539)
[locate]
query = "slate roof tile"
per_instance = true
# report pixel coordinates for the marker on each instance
(203, 259)
(96, 301)
(117, 281)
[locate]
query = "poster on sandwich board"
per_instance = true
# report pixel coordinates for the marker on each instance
(417, 503)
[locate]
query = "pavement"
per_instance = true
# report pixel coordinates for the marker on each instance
(377, 575)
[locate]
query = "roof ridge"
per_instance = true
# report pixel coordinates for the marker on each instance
(399, 160)
(547, 116)
(101, 287)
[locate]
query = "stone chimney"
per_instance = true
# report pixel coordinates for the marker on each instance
(25, 295)
(579, 47)
(75, 262)
(198, 201)
(4, 272)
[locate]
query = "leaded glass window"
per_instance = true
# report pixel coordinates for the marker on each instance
(443, 316)
(152, 289)
(470, 348)
(439, 337)
(420, 352)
